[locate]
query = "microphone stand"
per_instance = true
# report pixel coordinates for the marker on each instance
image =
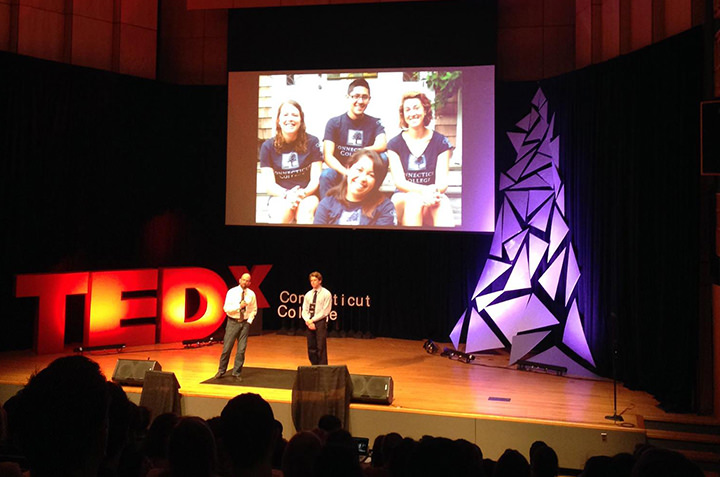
(615, 416)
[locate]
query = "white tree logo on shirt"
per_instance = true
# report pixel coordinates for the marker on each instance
(350, 217)
(355, 137)
(417, 163)
(290, 160)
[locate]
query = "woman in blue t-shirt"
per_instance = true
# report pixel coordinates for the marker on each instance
(357, 200)
(290, 165)
(420, 161)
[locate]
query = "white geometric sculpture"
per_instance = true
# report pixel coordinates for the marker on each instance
(527, 289)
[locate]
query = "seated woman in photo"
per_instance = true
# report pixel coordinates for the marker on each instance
(420, 161)
(357, 200)
(290, 165)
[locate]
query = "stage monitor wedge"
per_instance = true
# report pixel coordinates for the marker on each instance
(372, 389)
(131, 372)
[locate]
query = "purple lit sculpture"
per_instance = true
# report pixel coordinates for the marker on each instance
(526, 298)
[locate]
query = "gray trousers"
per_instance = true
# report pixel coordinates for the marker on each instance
(234, 331)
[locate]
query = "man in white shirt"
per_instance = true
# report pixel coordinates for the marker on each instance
(315, 311)
(241, 308)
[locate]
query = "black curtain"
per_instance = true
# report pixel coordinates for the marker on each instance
(629, 155)
(101, 171)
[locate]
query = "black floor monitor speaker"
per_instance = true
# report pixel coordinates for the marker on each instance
(131, 372)
(372, 389)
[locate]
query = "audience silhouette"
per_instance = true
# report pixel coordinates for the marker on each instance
(512, 464)
(70, 421)
(248, 435)
(62, 418)
(339, 456)
(301, 455)
(156, 443)
(656, 462)
(191, 449)
(543, 461)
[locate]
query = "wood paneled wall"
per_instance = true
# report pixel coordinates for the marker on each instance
(118, 35)
(185, 41)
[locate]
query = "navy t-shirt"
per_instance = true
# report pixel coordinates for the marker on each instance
(291, 168)
(349, 135)
(420, 170)
(333, 212)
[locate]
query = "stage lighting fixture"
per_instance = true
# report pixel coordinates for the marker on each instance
(539, 367)
(465, 358)
(87, 349)
(459, 355)
(199, 343)
(430, 347)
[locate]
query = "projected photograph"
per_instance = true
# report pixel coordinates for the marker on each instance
(379, 149)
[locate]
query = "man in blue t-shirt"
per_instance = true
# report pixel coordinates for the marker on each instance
(349, 132)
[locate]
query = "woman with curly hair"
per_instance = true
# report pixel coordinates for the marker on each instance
(420, 161)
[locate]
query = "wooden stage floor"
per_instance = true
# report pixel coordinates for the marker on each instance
(486, 390)
(423, 382)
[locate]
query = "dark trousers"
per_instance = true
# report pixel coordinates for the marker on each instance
(317, 343)
(234, 331)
